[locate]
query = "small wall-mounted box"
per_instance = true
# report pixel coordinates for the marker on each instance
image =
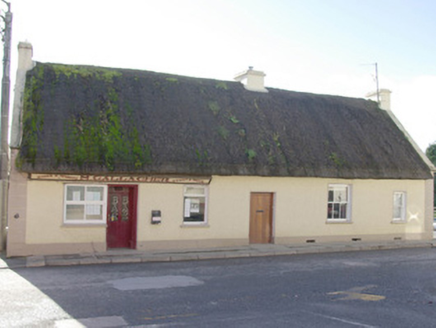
(156, 217)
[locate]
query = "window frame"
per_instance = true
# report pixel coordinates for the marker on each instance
(85, 202)
(403, 208)
(206, 200)
(347, 219)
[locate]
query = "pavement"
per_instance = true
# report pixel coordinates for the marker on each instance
(254, 250)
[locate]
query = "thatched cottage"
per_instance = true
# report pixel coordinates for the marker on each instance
(108, 158)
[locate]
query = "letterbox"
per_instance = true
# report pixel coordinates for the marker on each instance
(156, 217)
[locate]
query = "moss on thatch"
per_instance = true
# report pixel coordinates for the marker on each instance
(90, 119)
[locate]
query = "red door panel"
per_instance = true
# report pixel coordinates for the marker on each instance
(121, 217)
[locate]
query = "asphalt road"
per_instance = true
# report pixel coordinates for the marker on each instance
(356, 289)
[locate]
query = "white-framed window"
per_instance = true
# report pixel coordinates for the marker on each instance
(339, 203)
(194, 204)
(85, 204)
(399, 206)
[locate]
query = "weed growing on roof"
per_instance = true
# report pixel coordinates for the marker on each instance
(99, 73)
(33, 113)
(202, 157)
(233, 119)
(221, 85)
(283, 157)
(335, 158)
(223, 132)
(214, 107)
(172, 80)
(267, 148)
(67, 157)
(251, 154)
(264, 144)
(276, 137)
(57, 155)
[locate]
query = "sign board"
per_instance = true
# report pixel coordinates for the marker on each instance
(126, 178)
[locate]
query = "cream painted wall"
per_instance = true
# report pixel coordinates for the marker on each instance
(45, 217)
(300, 210)
(169, 200)
(301, 205)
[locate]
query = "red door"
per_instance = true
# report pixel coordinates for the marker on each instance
(121, 217)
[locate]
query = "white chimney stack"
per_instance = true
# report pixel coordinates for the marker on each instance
(384, 96)
(385, 99)
(25, 63)
(252, 80)
(25, 53)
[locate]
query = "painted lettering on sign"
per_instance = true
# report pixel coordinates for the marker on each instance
(109, 178)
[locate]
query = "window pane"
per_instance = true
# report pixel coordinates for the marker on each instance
(343, 214)
(330, 211)
(331, 195)
(340, 195)
(75, 212)
(194, 191)
(94, 193)
(397, 212)
(398, 199)
(335, 211)
(194, 209)
(94, 212)
(76, 193)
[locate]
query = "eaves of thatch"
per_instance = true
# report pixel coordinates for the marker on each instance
(81, 119)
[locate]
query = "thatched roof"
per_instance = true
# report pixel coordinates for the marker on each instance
(81, 119)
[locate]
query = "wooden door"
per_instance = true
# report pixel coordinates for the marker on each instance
(261, 205)
(121, 217)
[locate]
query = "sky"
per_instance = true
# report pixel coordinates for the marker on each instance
(316, 46)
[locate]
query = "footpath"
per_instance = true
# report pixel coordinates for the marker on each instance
(254, 250)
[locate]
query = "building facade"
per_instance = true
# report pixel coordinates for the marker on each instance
(108, 159)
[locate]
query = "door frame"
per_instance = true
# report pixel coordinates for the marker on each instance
(272, 214)
(134, 190)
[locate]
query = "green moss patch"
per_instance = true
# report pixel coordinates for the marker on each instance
(221, 85)
(102, 139)
(104, 74)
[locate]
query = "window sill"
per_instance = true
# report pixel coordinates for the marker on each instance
(337, 221)
(84, 225)
(398, 221)
(195, 225)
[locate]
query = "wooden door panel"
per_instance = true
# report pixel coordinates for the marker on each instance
(121, 217)
(261, 218)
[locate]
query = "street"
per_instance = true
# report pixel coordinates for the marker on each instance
(392, 288)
